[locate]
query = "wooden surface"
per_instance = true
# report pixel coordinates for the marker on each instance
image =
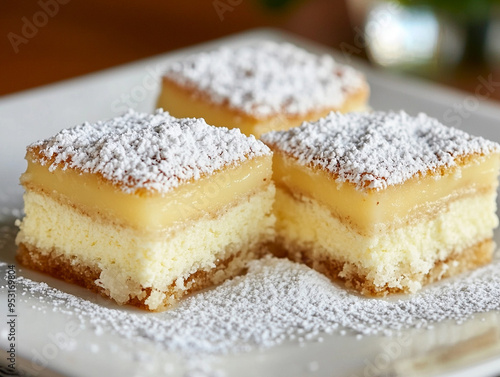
(44, 41)
(88, 35)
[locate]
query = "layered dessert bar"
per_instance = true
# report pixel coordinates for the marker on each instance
(146, 208)
(260, 87)
(386, 202)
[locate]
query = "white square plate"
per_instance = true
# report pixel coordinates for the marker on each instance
(38, 113)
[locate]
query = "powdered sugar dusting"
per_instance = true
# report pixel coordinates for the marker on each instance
(278, 301)
(266, 78)
(375, 150)
(142, 151)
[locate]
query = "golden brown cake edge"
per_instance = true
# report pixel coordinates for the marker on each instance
(468, 259)
(64, 268)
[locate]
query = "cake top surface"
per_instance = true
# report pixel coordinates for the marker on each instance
(378, 149)
(267, 78)
(156, 152)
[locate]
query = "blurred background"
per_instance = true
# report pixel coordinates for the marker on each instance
(454, 42)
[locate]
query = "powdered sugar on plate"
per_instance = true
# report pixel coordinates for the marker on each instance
(267, 78)
(156, 152)
(377, 149)
(278, 300)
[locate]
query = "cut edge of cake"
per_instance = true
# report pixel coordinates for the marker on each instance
(144, 156)
(445, 236)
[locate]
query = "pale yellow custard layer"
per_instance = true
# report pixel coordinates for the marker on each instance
(130, 261)
(400, 258)
(148, 211)
(182, 102)
(369, 210)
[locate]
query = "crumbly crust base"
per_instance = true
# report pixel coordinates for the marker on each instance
(351, 275)
(70, 269)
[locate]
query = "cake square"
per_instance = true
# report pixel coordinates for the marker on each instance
(260, 87)
(386, 202)
(146, 208)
